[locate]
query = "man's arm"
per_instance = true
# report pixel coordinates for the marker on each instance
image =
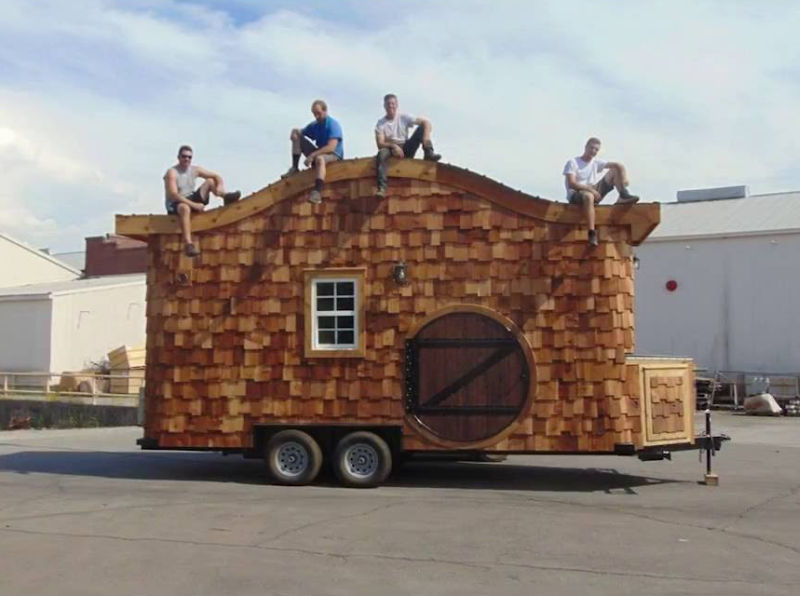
(206, 174)
(575, 185)
(330, 147)
(171, 188)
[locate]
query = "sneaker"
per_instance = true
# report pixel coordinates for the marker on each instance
(626, 198)
(316, 197)
(593, 238)
(381, 192)
(289, 172)
(431, 156)
(191, 250)
(231, 197)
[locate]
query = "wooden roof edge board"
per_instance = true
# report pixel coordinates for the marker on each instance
(642, 218)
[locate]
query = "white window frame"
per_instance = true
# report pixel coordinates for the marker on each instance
(313, 347)
(316, 314)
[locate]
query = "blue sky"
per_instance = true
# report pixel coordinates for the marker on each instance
(96, 96)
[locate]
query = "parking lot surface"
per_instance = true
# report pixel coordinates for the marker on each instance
(85, 512)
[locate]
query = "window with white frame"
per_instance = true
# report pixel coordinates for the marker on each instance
(334, 320)
(334, 312)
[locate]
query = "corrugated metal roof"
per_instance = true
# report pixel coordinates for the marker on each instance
(73, 286)
(753, 215)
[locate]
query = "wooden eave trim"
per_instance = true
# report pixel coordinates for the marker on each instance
(642, 218)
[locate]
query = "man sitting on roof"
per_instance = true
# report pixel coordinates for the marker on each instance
(587, 186)
(321, 141)
(182, 197)
(391, 136)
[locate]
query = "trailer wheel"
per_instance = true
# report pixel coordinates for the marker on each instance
(293, 457)
(362, 460)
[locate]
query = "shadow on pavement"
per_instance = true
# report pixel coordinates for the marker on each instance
(518, 477)
(213, 467)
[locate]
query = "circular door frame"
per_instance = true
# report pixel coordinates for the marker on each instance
(527, 352)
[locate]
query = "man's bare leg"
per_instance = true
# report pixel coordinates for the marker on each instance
(294, 136)
(319, 179)
(184, 218)
(588, 201)
(618, 176)
(427, 146)
(211, 186)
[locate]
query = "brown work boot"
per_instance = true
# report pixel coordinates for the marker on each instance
(430, 155)
(231, 197)
(626, 198)
(191, 250)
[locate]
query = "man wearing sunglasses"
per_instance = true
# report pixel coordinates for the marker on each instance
(182, 197)
(321, 141)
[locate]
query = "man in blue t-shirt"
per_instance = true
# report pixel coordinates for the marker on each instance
(321, 142)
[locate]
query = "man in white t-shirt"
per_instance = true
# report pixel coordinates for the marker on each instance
(586, 184)
(391, 136)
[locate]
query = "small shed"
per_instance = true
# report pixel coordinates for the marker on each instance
(458, 312)
(454, 314)
(68, 325)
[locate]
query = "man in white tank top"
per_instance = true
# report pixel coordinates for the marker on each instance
(181, 197)
(586, 184)
(391, 136)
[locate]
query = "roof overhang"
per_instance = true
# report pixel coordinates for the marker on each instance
(641, 218)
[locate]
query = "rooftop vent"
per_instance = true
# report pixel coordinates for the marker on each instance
(713, 194)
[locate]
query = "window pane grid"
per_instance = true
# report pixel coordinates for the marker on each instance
(334, 316)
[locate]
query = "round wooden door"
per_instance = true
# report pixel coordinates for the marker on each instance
(467, 377)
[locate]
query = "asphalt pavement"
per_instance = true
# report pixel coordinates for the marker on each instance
(85, 512)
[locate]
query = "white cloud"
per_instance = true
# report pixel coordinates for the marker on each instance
(96, 100)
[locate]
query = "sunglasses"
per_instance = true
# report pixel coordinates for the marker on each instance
(184, 156)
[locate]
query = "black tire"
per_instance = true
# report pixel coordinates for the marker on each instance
(362, 460)
(293, 457)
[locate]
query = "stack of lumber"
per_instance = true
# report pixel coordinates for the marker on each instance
(127, 366)
(225, 331)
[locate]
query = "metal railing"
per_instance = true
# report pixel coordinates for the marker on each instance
(71, 384)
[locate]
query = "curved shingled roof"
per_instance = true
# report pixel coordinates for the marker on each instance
(642, 218)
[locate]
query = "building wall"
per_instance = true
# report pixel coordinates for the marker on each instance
(87, 325)
(25, 344)
(115, 255)
(735, 307)
(20, 266)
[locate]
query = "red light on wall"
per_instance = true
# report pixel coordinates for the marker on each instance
(671, 285)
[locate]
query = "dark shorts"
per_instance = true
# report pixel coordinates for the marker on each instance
(195, 197)
(602, 186)
(307, 146)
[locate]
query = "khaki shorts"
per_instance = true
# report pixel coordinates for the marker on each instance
(602, 186)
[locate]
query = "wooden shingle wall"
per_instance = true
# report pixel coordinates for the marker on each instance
(225, 330)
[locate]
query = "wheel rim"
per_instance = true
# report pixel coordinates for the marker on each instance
(362, 460)
(292, 459)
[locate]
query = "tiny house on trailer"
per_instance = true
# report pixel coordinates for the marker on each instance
(456, 314)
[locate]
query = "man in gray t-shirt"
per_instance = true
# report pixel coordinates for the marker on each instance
(391, 136)
(181, 197)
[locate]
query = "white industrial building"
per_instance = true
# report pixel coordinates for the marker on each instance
(719, 281)
(52, 320)
(69, 325)
(22, 264)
